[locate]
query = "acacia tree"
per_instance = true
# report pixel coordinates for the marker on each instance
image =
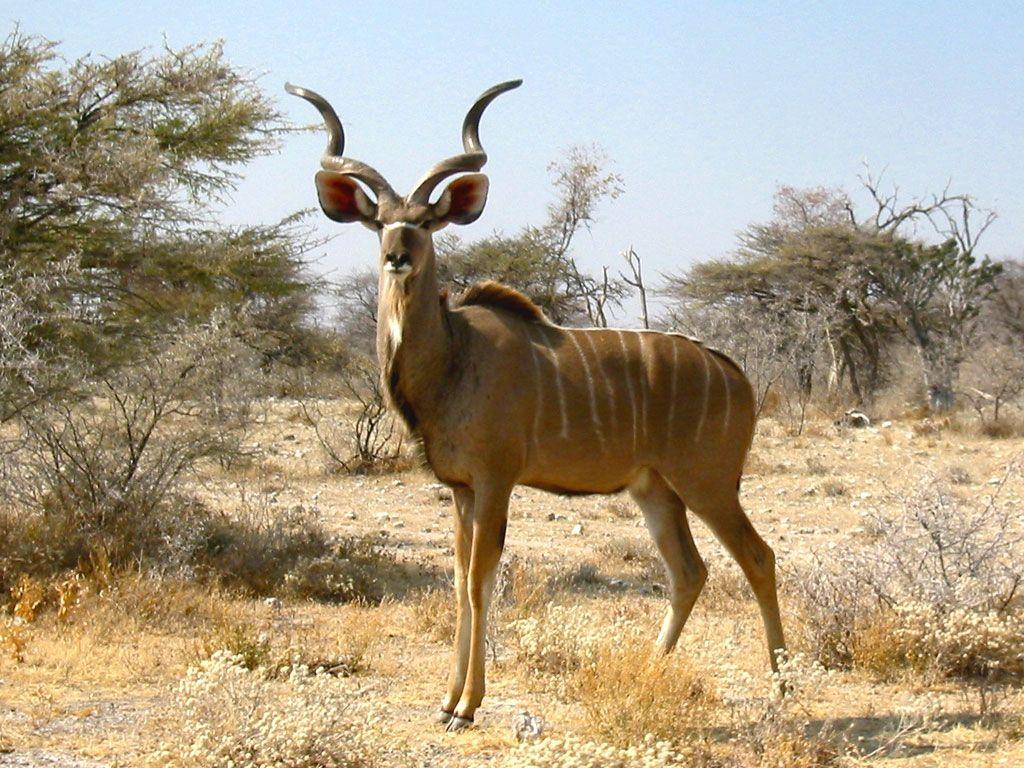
(800, 273)
(843, 286)
(937, 291)
(539, 260)
(111, 172)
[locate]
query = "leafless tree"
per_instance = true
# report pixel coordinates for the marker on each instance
(635, 279)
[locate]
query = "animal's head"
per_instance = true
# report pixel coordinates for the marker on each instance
(405, 225)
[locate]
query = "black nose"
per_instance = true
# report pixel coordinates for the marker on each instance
(397, 259)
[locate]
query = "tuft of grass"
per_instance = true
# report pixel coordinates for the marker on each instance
(627, 692)
(834, 488)
(637, 556)
(959, 475)
(1002, 429)
(620, 509)
(433, 614)
(815, 466)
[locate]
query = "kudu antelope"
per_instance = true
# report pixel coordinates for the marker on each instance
(501, 396)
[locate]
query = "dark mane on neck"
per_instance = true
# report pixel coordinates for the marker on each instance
(498, 296)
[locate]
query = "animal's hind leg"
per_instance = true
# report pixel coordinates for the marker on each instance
(730, 524)
(665, 515)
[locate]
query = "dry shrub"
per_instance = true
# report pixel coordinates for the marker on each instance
(620, 510)
(103, 470)
(936, 588)
(371, 442)
(573, 752)
(270, 551)
(13, 640)
(228, 716)
(628, 691)
(280, 641)
(1004, 428)
(774, 731)
(293, 556)
(725, 587)
(524, 588)
(556, 640)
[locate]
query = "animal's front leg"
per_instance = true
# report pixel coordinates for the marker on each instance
(460, 651)
(490, 516)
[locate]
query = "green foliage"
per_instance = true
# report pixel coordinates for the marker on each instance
(111, 170)
(538, 260)
(820, 281)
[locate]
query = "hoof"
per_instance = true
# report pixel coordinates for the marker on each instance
(444, 717)
(459, 723)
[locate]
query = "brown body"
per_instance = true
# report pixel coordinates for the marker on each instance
(502, 397)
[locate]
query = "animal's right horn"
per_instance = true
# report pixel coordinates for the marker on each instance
(333, 159)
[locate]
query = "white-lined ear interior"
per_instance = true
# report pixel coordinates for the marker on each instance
(463, 200)
(343, 199)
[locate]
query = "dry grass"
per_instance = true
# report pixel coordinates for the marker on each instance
(432, 614)
(633, 557)
(564, 644)
(230, 716)
(627, 692)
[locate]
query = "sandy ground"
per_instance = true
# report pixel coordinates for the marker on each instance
(84, 698)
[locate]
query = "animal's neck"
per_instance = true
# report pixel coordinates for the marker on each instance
(414, 345)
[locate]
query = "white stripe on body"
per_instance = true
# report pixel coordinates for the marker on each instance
(705, 394)
(562, 411)
(539, 388)
(629, 385)
(728, 399)
(644, 380)
(595, 417)
(604, 377)
(670, 426)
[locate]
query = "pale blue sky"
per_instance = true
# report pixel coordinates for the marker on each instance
(705, 108)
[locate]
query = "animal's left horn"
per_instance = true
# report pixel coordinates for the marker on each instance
(474, 157)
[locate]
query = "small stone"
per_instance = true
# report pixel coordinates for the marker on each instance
(577, 530)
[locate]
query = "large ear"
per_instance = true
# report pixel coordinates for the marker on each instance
(343, 199)
(463, 200)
